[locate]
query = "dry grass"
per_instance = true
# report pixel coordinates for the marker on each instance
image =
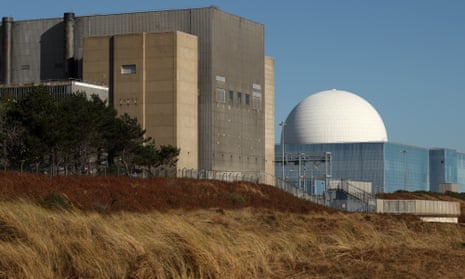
(244, 243)
(167, 228)
(109, 194)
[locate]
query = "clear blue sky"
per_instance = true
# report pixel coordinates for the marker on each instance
(407, 58)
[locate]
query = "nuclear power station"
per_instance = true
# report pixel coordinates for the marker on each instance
(197, 79)
(351, 140)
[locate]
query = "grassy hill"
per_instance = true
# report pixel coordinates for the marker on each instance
(114, 227)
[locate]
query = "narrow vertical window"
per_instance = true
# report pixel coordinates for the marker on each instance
(231, 97)
(220, 95)
(257, 100)
(239, 98)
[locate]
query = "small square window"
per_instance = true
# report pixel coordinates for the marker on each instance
(128, 69)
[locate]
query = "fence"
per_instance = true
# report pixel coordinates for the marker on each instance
(300, 193)
(252, 177)
(221, 175)
(416, 207)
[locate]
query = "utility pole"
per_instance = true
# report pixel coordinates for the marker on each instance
(282, 124)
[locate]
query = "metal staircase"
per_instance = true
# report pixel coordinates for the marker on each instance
(366, 199)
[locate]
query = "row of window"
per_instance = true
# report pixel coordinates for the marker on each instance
(127, 101)
(239, 98)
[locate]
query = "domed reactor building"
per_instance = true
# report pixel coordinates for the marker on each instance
(334, 144)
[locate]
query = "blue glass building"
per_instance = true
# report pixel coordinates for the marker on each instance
(447, 167)
(388, 166)
(348, 128)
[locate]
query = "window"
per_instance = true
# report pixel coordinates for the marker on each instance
(247, 99)
(220, 95)
(231, 97)
(239, 98)
(257, 100)
(128, 69)
(220, 78)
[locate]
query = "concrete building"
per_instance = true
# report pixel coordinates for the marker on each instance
(58, 89)
(154, 78)
(167, 68)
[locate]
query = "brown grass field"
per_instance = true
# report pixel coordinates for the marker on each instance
(117, 227)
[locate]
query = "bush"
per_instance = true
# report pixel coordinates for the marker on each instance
(56, 201)
(237, 199)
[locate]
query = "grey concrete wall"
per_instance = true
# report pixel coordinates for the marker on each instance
(228, 46)
(238, 60)
(38, 51)
(418, 207)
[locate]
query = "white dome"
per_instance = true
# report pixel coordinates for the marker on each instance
(334, 116)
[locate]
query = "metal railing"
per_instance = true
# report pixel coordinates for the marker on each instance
(252, 177)
(354, 191)
(367, 199)
(228, 176)
(300, 193)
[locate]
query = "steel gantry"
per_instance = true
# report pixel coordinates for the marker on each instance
(298, 162)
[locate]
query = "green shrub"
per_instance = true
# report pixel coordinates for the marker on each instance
(237, 199)
(56, 201)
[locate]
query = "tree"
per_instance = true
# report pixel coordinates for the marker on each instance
(3, 138)
(124, 140)
(34, 117)
(82, 126)
(168, 155)
(72, 133)
(148, 156)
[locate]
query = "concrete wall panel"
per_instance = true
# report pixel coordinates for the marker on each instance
(235, 46)
(269, 117)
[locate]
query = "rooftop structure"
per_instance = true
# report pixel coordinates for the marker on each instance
(58, 89)
(334, 116)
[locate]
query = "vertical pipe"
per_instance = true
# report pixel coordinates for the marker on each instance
(300, 170)
(111, 75)
(282, 124)
(68, 19)
(6, 25)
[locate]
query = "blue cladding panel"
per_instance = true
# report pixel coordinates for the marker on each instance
(461, 171)
(385, 165)
(406, 168)
(436, 167)
(389, 166)
(450, 167)
(354, 161)
(447, 166)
